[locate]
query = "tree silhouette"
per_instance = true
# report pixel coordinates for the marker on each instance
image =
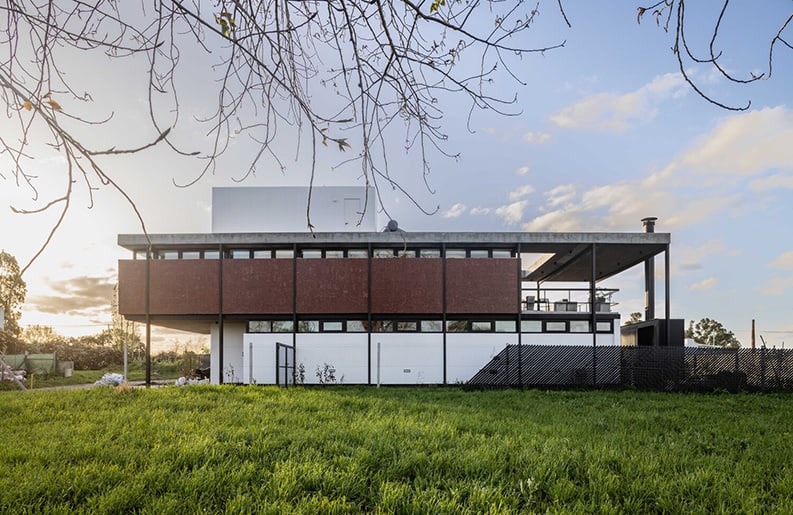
(12, 295)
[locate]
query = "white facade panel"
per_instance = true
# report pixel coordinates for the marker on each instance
(283, 209)
(408, 358)
(569, 339)
(258, 363)
(467, 353)
(232, 352)
(347, 353)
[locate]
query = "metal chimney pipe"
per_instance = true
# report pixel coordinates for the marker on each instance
(649, 274)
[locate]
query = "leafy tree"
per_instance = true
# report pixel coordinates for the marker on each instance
(710, 332)
(635, 318)
(37, 336)
(12, 295)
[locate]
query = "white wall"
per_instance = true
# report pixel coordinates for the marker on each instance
(467, 353)
(346, 352)
(283, 209)
(405, 358)
(408, 358)
(568, 339)
(258, 356)
(232, 352)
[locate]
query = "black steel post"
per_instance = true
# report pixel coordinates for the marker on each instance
(147, 302)
(443, 318)
(667, 295)
(520, 317)
(369, 316)
(649, 275)
(593, 315)
(220, 313)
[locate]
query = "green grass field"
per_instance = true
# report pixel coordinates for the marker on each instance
(415, 450)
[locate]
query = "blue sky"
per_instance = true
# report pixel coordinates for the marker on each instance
(606, 133)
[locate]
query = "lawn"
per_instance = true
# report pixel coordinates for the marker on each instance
(393, 450)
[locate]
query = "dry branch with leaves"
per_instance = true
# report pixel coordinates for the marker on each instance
(364, 77)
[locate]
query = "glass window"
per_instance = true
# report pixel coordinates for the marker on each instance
(505, 326)
(170, 254)
(455, 253)
(556, 327)
(407, 326)
(240, 254)
(457, 326)
(284, 254)
(430, 253)
(258, 326)
(502, 254)
(282, 326)
(356, 326)
(382, 326)
(431, 326)
(191, 254)
(311, 254)
(308, 326)
(481, 327)
(211, 254)
(262, 254)
(357, 253)
(383, 253)
(139, 254)
(579, 326)
(531, 326)
(332, 327)
(334, 253)
(406, 253)
(604, 327)
(479, 254)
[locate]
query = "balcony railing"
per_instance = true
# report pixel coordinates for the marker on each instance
(567, 300)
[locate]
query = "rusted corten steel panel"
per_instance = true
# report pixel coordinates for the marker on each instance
(257, 286)
(481, 286)
(131, 287)
(404, 285)
(184, 287)
(179, 287)
(326, 286)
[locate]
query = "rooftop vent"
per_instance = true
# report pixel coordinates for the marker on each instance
(392, 226)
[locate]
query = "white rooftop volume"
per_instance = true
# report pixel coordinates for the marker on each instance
(283, 209)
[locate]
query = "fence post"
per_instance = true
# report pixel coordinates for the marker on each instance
(277, 363)
(507, 363)
(762, 367)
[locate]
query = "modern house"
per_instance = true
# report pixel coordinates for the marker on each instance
(360, 303)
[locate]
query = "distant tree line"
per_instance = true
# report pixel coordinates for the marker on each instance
(91, 352)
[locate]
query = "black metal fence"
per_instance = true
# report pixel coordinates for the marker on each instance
(646, 368)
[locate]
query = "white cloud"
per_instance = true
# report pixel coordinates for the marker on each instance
(622, 205)
(692, 258)
(777, 286)
(772, 183)
(481, 210)
(523, 170)
(783, 262)
(745, 144)
(512, 213)
(521, 192)
(455, 211)
(616, 113)
(560, 195)
(705, 284)
(537, 138)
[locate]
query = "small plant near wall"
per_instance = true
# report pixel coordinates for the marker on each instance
(326, 374)
(299, 374)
